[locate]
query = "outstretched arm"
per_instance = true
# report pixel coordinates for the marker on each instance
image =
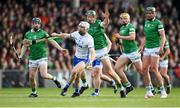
(109, 43)
(62, 35)
(23, 50)
(106, 16)
(56, 45)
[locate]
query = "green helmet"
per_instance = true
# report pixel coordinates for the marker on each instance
(36, 20)
(91, 12)
(153, 9)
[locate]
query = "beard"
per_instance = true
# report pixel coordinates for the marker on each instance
(81, 33)
(35, 29)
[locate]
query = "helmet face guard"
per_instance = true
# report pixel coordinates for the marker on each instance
(36, 20)
(84, 24)
(150, 9)
(150, 13)
(91, 12)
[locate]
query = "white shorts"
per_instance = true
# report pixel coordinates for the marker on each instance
(100, 54)
(134, 56)
(163, 63)
(36, 63)
(151, 52)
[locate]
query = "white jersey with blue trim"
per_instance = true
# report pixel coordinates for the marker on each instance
(83, 43)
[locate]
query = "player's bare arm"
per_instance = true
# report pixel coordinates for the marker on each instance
(56, 45)
(109, 43)
(131, 36)
(163, 38)
(106, 16)
(165, 54)
(62, 35)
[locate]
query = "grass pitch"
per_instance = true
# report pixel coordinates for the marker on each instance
(49, 97)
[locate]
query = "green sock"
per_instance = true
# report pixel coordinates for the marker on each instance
(120, 86)
(127, 84)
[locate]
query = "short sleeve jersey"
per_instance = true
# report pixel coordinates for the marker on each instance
(151, 30)
(38, 50)
(83, 44)
(97, 32)
(129, 46)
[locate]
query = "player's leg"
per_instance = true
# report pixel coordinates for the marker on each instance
(44, 72)
(78, 68)
(154, 67)
(163, 68)
(108, 67)
(146, 76)
(76, 84)
(109, 80)
(32, 81)
(163, 71)
(119, 68)
(84, 82)
(96, 80)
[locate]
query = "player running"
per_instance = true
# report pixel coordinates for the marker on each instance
(97, 31)
(130, 53)
(163, 67)
(38, 54)
(84, 55)
(154, 43)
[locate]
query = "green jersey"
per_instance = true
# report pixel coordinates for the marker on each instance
(97, 32)
(151, 30)
(38, 50)
(129, 46)
(166, 46)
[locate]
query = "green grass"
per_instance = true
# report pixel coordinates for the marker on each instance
(49, 97)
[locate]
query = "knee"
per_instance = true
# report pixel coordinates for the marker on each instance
(154, 69)
(74, 73)
(96, 74)
(31, 76)
(139, 70)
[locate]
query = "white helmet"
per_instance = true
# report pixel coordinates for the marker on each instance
(84, 24)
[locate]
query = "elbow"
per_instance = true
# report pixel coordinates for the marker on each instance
(133, 38)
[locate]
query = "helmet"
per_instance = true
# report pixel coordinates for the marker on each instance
(91, 12)
(84, 24)
(151, 9)
(36, 20)
(125, 15)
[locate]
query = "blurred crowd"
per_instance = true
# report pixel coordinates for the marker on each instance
(60, 16)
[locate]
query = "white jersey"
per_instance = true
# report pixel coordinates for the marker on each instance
(83, 43)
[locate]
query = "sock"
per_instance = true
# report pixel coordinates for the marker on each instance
(67, 86)
(120, 86)
(162, 88)
(148, 88)
(84, 82)
(112, 82)
(127, 84)
(34, 90)
(76, 90)
(168, 85)
(96, 90)
(54, 78)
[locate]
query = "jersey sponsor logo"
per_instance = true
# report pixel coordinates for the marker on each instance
(149, 25)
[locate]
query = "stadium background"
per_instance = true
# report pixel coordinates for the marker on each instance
(64, 16)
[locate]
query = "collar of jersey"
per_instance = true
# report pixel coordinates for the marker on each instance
(33, 30)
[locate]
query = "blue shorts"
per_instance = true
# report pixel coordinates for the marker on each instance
(77, 60)
(97, 63)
